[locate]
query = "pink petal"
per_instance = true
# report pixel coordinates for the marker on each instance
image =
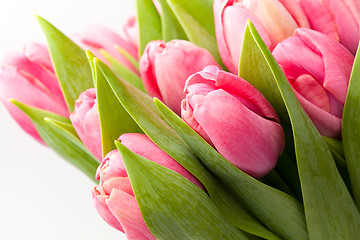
(103, 210)
(327, 124)
(245, 139)
(320, 17)
(311, 90)
(142, 145)
(338, 61)
(126, 210)
(273, 17)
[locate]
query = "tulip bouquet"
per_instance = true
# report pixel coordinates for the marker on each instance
(205, 119)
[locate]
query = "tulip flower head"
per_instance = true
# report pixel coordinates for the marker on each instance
(86, 121)
(164, 68)
(114, 198)
(97, 38)
(275, 20)
(233, 116)
(318, 68)
(29, 77)
(338, 19)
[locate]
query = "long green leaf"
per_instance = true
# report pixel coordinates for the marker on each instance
(149, 23)
(171, 28)
(124, 73)
(278, 211)
(172, 206)
(142, 108)
(196, 18)
(114, 119)
(329, 209)
(70, 63)
(351, 129)
(60, 139)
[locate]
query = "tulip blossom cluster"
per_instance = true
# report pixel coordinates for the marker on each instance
(313, 42)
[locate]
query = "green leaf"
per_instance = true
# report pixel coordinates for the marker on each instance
(171, 28)
(172, 206)
(60, 139)
(70, 63)
(351, 129)
(149, 23)
(329, 209)
(124, 73)
(114, 119)
(142, 108)
(196, 18)
(66, 125)
(271, 206)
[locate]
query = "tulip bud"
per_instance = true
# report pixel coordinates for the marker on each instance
(275, 20)
(29, 77)
(336, 18)
(114, 198)
(164, 68)
(233, 116)
(318, 68)
(86, 121)
(97, 38)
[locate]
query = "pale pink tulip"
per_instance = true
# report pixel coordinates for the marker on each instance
(29, 77)
(338, 19)
(275, 20)
(86, 121)
(97, 38)
(114, 198)
(233, 116)
(318, 69)
(164, 68)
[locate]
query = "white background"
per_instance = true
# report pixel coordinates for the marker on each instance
(42, 196)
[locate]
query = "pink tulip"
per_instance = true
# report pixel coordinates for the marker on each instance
(86, 121)
(29, 77)
(233, 116)
(336, 18)
(114, 198)
(318, 69)
(97, 38)
(275, 20)
(164, 68)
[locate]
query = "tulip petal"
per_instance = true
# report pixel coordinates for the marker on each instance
(150, 151)
(253, 145)
(126, 210)
(273, 17)
(103, 210)
(337, 61)
(320, 18)
(311, 90)
(347, 25)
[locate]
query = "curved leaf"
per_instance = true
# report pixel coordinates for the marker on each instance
(70, 62)
(172, 206)
(142, 108)
(324, 192)
(280, 212)
(60, 139)
(351, 129)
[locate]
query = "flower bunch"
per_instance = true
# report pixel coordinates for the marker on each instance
(221, 119)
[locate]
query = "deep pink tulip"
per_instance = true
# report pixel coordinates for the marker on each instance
(336, 18)
(275, 20)
(86, 121)
(233, 116)
(97, 38)
(164, 68)
(29, 77)
(318, 69)
(114, 198)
